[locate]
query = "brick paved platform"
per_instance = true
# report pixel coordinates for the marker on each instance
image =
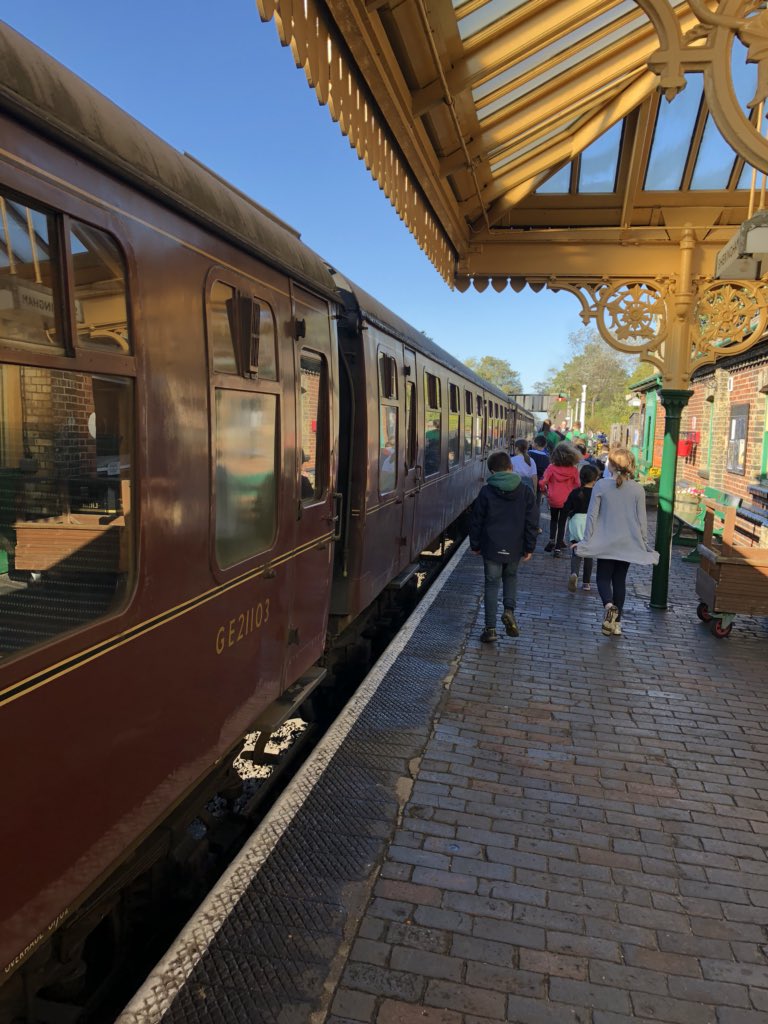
(571, 829)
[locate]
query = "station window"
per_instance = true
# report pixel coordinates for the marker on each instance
(454, 406)
(389, 413)
(313, 423)
(432, 424)
(468, 434)
(736, 454)
(66, 425)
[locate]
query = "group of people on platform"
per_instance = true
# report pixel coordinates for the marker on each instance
(596, 512)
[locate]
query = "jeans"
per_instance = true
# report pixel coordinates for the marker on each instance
(612, 581)
(576, 565)
(495, 574)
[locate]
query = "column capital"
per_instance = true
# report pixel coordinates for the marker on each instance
(674, 399)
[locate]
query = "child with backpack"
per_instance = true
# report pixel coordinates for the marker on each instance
(575, 510)
(560, 478)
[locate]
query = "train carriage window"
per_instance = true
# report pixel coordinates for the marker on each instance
(468, 431)
(99, 276)
(313, 413)
(479, 428)
(30, 303)
(241, 333)
(245, 484)
(410, 424)
(432, 424)
(453, 426)
(66, 432)
(388, 423)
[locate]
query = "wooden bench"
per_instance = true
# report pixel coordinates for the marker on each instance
(693, 520)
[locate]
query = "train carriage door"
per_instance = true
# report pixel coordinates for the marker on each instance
(314, 476)
(410, 450)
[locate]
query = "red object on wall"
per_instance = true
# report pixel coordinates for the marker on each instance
(684, 447)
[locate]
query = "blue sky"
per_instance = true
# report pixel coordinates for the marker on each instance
(213, 80)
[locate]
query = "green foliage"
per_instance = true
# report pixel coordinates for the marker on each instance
(498, 372)
(608, 375)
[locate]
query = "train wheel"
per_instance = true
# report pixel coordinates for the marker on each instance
(703, 612)
(719, 630)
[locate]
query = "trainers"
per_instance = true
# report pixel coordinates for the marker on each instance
(617, 629)
(510, 622)
(488, 635)
(550, 546)
(557, 552)
(611, 611)
(573, 579)
(586, 586)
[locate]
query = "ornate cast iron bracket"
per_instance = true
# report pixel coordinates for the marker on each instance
(707, 49)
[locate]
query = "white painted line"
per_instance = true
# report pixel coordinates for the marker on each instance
(167, 979)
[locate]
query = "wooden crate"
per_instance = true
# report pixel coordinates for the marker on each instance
(732, 577)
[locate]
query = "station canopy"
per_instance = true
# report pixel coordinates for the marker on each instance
(524, 140)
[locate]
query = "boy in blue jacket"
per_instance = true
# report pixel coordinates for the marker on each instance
(503, 529)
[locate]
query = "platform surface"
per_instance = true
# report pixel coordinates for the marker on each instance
(561, 828)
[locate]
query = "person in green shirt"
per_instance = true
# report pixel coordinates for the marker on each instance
(575, 433)
(554, 437)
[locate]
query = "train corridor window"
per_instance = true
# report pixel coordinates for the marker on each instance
(388, 423)
(245, 475)
(432, 424)
(410, 424)
(66, 431)
(453, 426)
(313, 420)
(468, 426)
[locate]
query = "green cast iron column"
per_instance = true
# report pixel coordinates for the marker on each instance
(674, 402)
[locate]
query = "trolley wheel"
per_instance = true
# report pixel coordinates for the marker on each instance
(703, 612)
(717, 629)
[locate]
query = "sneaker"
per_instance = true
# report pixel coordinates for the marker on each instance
(510, 622)
(557, 552)
(488, 635)
(586, 586)
(611, 611)
(573, 579)
(617, 629)
(550, 546)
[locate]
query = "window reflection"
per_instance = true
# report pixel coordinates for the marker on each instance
(246, 492)
(29, 272)
(312, 411)
(99, 288)
(432, 424)
(387, 448)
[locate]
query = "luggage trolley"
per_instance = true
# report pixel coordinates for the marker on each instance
(732, 578)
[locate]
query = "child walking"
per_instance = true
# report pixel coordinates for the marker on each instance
(503, 529)
(616, 533)
(524, 465)
(560, 478)
(575, 510)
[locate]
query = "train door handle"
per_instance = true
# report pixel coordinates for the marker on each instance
(336, 517)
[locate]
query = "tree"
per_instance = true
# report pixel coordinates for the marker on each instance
(498, 372)
(606, 373)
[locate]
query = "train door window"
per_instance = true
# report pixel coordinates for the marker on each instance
(98, 274)
(67, 434)
(388, 423)
(245, 474)
(454, 396)
(30, 271)
(468, 432)
(241, 332)
(313, 426)
(432, 424)
(410, 424)
(479, 428)
(487, 428)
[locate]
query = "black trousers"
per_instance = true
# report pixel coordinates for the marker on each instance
(612, 581)
(557, 521)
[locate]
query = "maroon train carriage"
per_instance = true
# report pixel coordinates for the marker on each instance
(199, 482)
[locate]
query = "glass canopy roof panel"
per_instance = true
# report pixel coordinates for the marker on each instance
(531, 83)
(562, 46)
(480, 18)
(600, 161)
(715, 162)
(559, 183)
(675, 123)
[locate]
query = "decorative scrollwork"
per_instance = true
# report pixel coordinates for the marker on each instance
(633, 313)
(729, 315)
